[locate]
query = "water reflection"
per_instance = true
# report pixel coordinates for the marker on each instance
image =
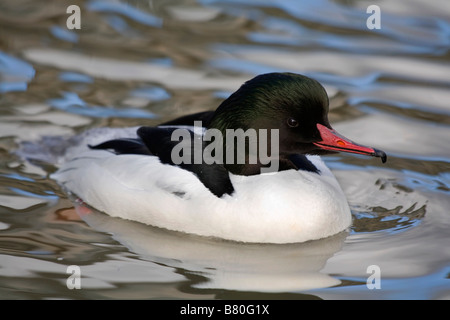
(225, 264)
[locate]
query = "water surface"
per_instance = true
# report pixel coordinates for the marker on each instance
(141, 63)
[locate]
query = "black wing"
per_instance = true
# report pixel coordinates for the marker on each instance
(124, 146)
(158, 141)
(205, 117)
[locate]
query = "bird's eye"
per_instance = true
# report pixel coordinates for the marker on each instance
(292, 122)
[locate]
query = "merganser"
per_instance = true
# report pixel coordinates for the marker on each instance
(132, 173)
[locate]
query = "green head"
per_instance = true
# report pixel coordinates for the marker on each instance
(293, 104)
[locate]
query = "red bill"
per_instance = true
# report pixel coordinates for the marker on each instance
(333, 141)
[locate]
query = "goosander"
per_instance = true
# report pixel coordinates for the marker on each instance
(134, 173)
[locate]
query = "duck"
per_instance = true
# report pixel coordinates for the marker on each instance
(202, 174)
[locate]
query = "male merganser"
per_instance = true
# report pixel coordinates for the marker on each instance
(133, 173)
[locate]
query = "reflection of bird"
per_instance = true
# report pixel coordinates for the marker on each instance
(240, 195)
(219, 264)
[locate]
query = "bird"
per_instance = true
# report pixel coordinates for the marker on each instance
(249, 171)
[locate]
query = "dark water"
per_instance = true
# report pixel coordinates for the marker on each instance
(135, 63)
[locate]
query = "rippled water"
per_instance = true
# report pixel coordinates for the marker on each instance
(140, 63)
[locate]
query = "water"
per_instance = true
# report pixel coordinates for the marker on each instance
(141, 63)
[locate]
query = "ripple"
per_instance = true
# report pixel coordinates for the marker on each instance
(120, 70)
(15, 73)
(126, 10)
(64, 34)
(20, 202)
(72, 103)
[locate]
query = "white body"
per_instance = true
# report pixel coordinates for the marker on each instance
(283, 207)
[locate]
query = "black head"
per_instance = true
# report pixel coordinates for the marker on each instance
(295, 105)
(292, 103)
